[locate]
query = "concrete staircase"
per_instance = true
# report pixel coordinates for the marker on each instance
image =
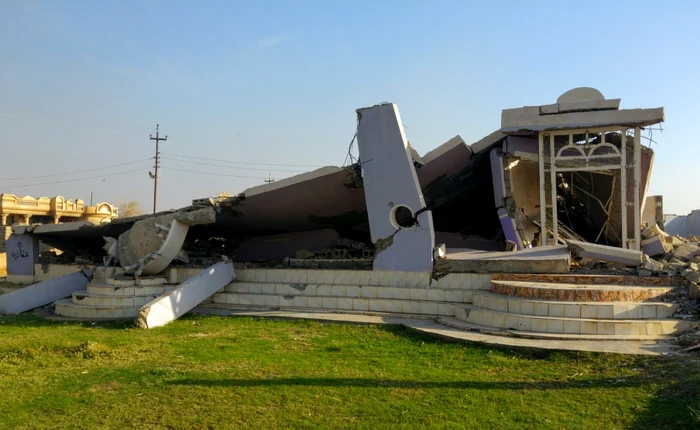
(561, 307)
(115, 298)
(572, 307)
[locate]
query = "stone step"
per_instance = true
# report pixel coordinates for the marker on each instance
(97, 289)
(466, 281)
(591, 310)
(578, 292)
(574, 278)
(66, 308)
(85, 299)
(504, 320)
(463, 325)
(126, 281)
(353, 291)
(337, 303)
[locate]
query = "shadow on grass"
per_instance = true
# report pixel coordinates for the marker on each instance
(398, 383)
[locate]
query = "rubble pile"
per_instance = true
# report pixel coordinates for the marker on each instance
(673, 256)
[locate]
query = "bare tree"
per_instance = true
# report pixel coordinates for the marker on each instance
(129, 209)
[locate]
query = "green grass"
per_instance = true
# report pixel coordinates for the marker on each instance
(214, 372)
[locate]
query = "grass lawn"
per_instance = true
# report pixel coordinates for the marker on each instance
(215, 372)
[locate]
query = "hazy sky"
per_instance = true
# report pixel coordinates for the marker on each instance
(83, 83)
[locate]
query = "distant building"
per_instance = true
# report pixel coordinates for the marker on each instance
(52, 210)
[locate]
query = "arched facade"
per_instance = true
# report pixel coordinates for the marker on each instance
(20, 210)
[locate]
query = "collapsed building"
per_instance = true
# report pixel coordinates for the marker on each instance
(502, 209)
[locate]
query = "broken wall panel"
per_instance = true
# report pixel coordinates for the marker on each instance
(403, 242)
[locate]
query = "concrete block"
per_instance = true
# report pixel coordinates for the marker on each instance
(404, 237)
(22, 252)
(44, 293)
(655, 246)
(410, 307)
(686, 252)
(594, 251)
(360, 304)
(186, 296)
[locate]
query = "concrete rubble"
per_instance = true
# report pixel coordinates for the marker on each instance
(499, 205)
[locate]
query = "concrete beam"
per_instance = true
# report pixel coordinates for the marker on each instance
(400, 226)
(529, 119)
(174, 304)
(611, 254)
(540, 260)
(44, 293)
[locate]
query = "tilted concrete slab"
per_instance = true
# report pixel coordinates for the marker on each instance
(540, 260)
(174, 304)
(391, 185)
(612, 254)
(43, 293)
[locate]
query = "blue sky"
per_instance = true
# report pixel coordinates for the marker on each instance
(83, 83)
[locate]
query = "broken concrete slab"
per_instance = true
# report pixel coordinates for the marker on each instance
(43, 293)
(687, 252)
(541, 260)
(152, 243)
(186, 296)
(611, 254)
(401, 227)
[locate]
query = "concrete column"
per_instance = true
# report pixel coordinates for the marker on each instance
(25, 218)
(56, 219)
(3, 219)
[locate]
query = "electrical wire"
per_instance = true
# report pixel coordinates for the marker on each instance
(78, 171)
(211, 174)
(83, 179)
(231, 167)
(236, 162)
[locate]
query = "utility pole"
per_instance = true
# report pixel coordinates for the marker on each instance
(269, 178)
(155, 177)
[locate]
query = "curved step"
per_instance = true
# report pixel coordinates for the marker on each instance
(66, 308)
(574, 278)
(591, 310)
(83, 298)
(559, 325)
(96, 289)
(127, 281)
(578, 292)
(463, 325)
(337, 303)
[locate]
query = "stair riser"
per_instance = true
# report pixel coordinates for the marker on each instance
(589, 279)
(628, 310)
(84, 312)
(128, 291)
(337, 304)
(420, 294)
(466, 281)
(111, 302)
(578, 295)
(563, 326)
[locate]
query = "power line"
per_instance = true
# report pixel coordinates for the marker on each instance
(78, 171)
(239, 162)
(213, 174)
(232, 167)
(83, 179)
